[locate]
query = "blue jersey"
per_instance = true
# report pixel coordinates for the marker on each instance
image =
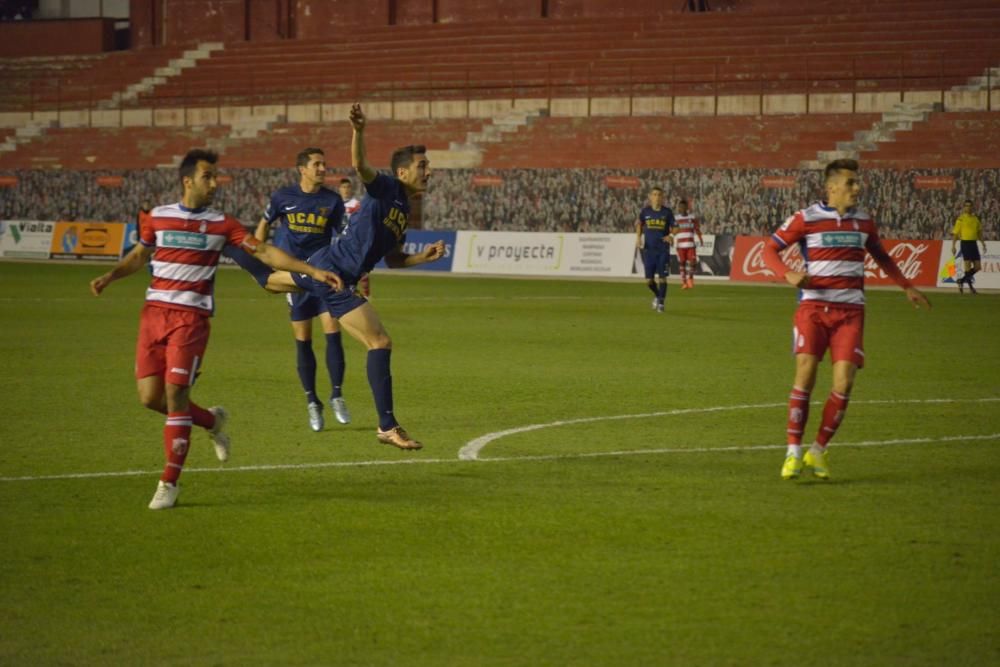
(655, 226)
(377, 228)
(307, 221)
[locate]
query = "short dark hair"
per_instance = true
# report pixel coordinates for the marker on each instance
(655, 188)
(968, 201)
(682, 201)
(346, 180)
(189, 164)
(302, 159)
(403, 157)
(838, 165)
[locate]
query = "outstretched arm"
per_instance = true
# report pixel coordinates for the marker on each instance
(128, 265)
(358, 159)
(881, 257)
(397, 259)
(277, 258)
(263, 227)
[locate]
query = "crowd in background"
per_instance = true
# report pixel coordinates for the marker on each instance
(728, 201)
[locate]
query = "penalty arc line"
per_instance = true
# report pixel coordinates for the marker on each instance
(470, 451)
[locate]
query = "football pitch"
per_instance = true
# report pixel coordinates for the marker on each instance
(599, 485)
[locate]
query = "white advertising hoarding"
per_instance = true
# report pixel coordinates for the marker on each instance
(544, 254)
(989, 270)
(26, 239)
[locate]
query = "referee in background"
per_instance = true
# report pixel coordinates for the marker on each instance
(968, 229)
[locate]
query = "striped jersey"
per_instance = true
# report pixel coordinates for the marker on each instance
(187, 244)
(686, 228)
(351, 207)
(833, 248)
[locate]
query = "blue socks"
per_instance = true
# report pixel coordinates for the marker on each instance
(661, 291)
(380, 381)
(306, 365)
(335, 362)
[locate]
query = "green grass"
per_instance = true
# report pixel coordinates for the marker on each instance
(647, 557)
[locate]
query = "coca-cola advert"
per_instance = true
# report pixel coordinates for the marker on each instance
(917, 260)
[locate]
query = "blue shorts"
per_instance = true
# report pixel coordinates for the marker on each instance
(304, 306)
(337, 304)
(656, 264)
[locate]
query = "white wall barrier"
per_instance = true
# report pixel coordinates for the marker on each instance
(989, 271)
(26, 239)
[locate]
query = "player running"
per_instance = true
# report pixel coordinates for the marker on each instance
(184, 241)
(833, 237)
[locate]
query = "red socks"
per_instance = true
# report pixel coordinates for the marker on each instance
(833, 414)
(201, 417)
(176, 440)
(798, 413)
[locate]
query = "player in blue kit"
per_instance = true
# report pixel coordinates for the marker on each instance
(377, 231)
(653, 238)
(306, 217)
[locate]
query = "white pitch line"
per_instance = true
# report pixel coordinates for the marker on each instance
(470, 451)
(546, 457)
(498, 459)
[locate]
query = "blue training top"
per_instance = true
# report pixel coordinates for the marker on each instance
(655, 226)
(308, 220)
(374, 231)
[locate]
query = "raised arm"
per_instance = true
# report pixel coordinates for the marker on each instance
(358, 159)
(129, 264)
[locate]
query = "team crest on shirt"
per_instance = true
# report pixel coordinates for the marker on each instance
(324, 210)
(204, 226)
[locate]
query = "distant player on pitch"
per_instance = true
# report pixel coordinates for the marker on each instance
(652, 238)
(833, 236)
(687, 228)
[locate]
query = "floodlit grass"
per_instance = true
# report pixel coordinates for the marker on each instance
(683, 548)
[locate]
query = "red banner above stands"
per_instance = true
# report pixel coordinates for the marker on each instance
(918, 260)
(623, 182)
(934, 182)
(484, 181)
(223, 179)
(9, 181)
(110, 181)
(778, 182)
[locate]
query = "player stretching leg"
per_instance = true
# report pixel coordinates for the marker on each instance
(834, 236)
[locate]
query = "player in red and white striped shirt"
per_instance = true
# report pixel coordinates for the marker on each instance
(686, 228)
(833, 237)
(183, 242)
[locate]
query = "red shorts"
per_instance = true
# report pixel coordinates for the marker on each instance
(687, 254)
(819, 326)
(171, 344)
